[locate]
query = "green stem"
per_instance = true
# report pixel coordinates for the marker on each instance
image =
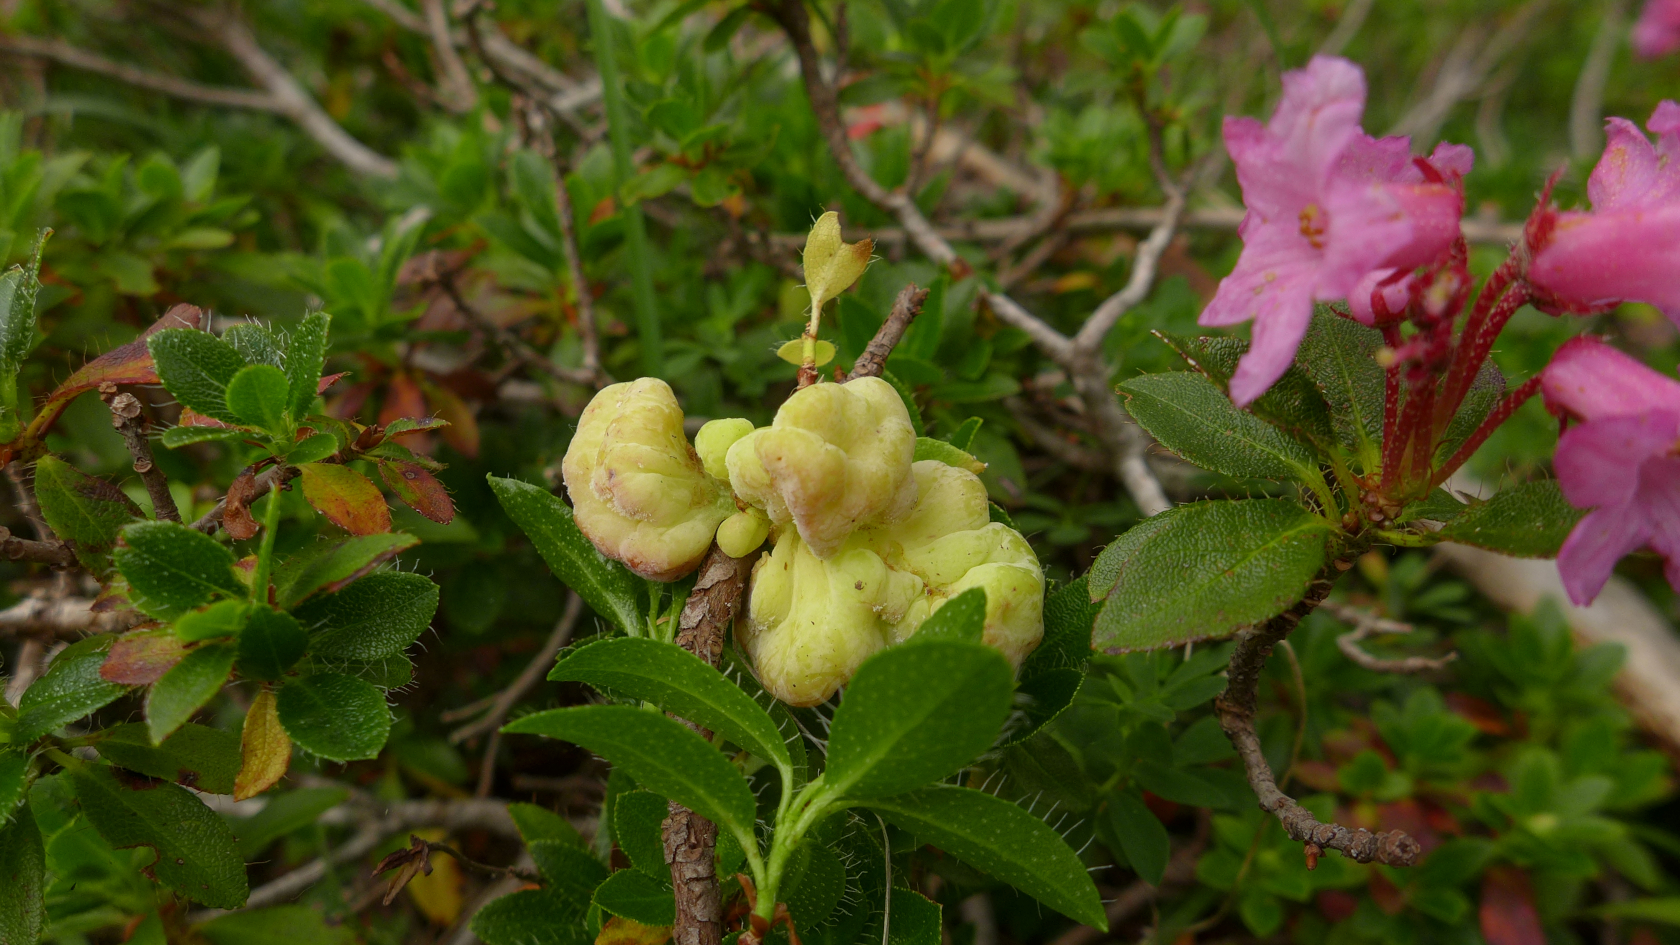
(265, 553)
(812, 805)
(1408, 539)
(635, 228)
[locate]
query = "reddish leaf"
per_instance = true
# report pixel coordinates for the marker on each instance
(1508, 913)
(329, 380)
(1486, 716)
(462, 432)
(403, 399)
(419, 489)
(192, 418)
(128, 364)
(346, 497)
(236, 514)
(141, 657)
(1337, 905)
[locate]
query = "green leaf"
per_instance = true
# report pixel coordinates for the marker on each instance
(915, 714)
(607, 586)
(531, 917)
(1142, 837)
(1292, 404)
(186, 687)
(963, 437)
(680, 683)
(172, 569)
(916, 919)
(306, 357)
(196, 756)
(634, 895)
(1485, 392)
(196, 367)
(71, 688)
(539, 823)
(1339, 354)
(1527, 520)
(23, 866)
(85, 511)
(906, 394)
(254, 343)
(927, 448)
(339, 718)
(637, 817)
(284, 814)
(176, 437)
(1069, 614)
(196, 852)
(1041, 698)
(378, 616)
(1665, 910)
(334, 565)
(14, 781)
(1001, 840)
(271, 644)
(221, 619)
(1195, 419)
(962, 618)
(813, 882)
(257, 396)
(568, 869)
(18, 288)
(659, 752)
(1203, 570)
(312, 449)
(277, 925)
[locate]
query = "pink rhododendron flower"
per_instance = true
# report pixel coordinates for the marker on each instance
(1658, 31)
(1327, 204)
(1628, 248)
(1622, 461)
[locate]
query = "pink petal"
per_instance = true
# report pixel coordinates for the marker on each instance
(1599, 462)
(1276, 270)
(1377, 159)
(1592, 549)
(1594, 259)
(1277, 333)
(1659, 494)
(1375, 225)
(1394, 294)
(1454, 158)
(1658, 31)
(1591, 380)
(1626, 171)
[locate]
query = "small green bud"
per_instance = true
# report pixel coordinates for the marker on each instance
(714, 440)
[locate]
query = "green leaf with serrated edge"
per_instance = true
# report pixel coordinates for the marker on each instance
(963, 436)
(737, 671)
(1438, 506)
(1484, 394)
(312, 449)
(1069, 614)
(391, 672)
(605, 585)
(915, 714)
(283, 814)
(339, 718)
(908, 395)
(1339, 354)
(186, 687)
(568, 869)
(1040, 699)
(944, 452)
(996, 513)
(1528, 520)
(71, 689)
(659, 752)
(857, 917)
(1204, 569)
(84, 510)
(539, 823)
(532, 917)
(271, 644)
(23, 866)
(916, 919)
(176, 437)
(276, 925)
(377, 616)
(1142, 837)
(1292, 404)
(254, 343)
(196, 853)
(330, 566)
(306, 358)
(962, 618)
(257, 396)
(14, 780)
(1046, 765)
(18, 289)
(678, 682)
(813, 881)
(221, 619)
(1001, 840)
(196, 367)
(172, 569)
(637, 817)
(634, 895)
(196, 756)
(1187, 414)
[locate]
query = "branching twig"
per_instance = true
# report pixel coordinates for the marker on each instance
(1366, 624)
(533, 673)
(455, 84)
(1048, 440)
(589, 338)
(130, 424)
(67, 617)
(212, 520)
(184, 89)
(512, 344)
(1236, 710)
(905, 308)
(52, 551)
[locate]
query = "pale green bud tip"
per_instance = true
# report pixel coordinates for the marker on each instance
(742, 533)
(714, 440)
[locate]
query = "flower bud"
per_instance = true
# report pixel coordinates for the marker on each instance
(639, 492)
(714, 440)
(837, 456)
(742, 533)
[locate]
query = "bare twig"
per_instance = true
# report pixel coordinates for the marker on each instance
(67, 617)
(1366, 624)
(512, 344)
(691, 840)
(1586, 106)
(1353, 17)
(1236, 710)
(265, 481)
(1047, 439)
(1466, 67)
(130, 424)
(25, 670)
(905, 308)
(533, 673)
(26, 501)
(52, 551)
(542, 139)
(184, 89)
(455, 85)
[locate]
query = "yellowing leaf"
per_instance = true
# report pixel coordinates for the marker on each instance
(437, 894)
(793, 352)
(346, 497)
(620, 931)
(265, 749)
(831, 264)
(1074, 282)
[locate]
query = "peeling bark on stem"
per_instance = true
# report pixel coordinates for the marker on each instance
(130, 423)
(904, 311)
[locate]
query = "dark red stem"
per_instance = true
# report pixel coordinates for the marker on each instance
(1392, 448)
(1494, 307)
(1497, 416)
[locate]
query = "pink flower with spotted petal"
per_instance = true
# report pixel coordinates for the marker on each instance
(1658, 31)
(1327, 204)
(1628, 248)
(1622, 461)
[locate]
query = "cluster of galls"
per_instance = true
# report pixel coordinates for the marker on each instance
(865, 543)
